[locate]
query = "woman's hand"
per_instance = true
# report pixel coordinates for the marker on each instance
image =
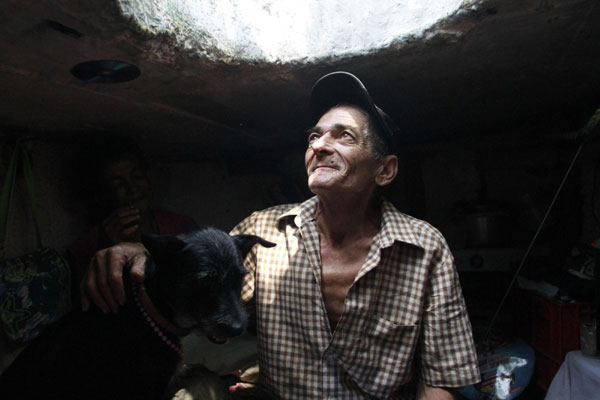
(122, 224)
(102, 283)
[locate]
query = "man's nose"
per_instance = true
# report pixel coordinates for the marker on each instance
(322, 143)
(132, 187)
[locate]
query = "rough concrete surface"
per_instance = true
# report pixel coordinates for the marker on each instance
(490, 68)
(288, 31)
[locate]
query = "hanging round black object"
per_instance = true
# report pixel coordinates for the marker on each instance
(105, 71)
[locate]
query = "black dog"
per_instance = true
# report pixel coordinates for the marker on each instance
(194, 282)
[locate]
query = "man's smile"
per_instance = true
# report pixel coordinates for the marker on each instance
(322, 166)
(325, 166)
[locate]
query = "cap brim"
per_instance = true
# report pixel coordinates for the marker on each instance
(342, 87)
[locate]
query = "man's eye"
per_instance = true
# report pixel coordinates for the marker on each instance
(312, 137)
(138, 176)
(346, 134)
(116, 185)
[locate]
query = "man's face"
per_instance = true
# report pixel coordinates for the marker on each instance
(338, 157)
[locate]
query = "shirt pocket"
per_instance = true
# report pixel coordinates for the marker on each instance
(382, 360)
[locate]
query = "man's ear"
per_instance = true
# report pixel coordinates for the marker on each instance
(387, 170)
(162, 247)
(245, 242)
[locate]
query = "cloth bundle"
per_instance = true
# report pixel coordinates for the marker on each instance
(34, 288)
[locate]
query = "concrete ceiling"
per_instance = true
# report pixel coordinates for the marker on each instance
(496, 70)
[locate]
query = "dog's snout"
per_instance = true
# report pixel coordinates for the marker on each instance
(232, 328)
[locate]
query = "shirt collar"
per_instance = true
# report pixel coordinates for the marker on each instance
(300, 213)
(395, 226)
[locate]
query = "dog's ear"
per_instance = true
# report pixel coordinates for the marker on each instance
(162, 246)
(245, 242)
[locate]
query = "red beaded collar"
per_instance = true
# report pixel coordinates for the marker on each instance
(155, 319)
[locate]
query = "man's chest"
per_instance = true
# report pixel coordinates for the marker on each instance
(339, 269)
(308, 280)
(368, 296)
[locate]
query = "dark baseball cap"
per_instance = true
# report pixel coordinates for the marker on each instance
(342, 87)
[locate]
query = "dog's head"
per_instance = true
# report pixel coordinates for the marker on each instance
(198, 277)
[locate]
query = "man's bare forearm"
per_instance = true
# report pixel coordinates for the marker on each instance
(434, 393)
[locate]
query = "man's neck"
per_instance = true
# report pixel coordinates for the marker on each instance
(344, 219)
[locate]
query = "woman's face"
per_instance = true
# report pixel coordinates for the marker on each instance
(126, 184)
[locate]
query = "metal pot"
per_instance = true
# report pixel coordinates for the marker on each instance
(487, 228)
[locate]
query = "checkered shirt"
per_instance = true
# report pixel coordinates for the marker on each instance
(405, 298)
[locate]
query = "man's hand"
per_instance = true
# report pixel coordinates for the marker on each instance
(248, 385)
(433, 393)
(103, 280)
(122, 224)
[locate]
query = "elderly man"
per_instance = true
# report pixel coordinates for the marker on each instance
(354, 291)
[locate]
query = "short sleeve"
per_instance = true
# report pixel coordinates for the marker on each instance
(248, 227)
(448, 356)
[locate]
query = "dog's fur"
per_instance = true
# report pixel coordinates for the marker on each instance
(193, 279)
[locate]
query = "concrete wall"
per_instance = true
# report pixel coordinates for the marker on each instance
(204, 190)
(520, 180)
(430, 183)
(288, 31)
(57, 213)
